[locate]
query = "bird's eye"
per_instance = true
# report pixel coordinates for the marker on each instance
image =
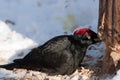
(89, 37)
(85, 37)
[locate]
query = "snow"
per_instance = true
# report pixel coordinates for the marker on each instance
(12, 43)
(117, 77)
(30, 16)
(26, 24)
(96, 52)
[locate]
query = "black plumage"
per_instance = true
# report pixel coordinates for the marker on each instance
(61, 54)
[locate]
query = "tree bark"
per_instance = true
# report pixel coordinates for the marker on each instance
(109, 32)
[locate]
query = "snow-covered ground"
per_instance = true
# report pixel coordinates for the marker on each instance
(25, 24)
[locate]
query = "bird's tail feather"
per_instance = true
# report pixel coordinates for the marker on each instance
(10, 66)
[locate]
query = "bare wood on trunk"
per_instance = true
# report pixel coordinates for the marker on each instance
(109, 32)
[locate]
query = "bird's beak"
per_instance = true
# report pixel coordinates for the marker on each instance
(97, 40)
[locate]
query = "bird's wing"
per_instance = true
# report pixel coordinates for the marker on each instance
(56, 44)
(55, 52)
(51, 50)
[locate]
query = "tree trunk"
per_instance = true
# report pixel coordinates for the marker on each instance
(109, 32)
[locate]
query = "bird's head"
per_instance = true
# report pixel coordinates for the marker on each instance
(86, 35)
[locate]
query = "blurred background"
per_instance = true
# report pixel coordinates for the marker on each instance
(25, 24)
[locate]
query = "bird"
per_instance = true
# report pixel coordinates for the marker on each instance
(60, 55)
